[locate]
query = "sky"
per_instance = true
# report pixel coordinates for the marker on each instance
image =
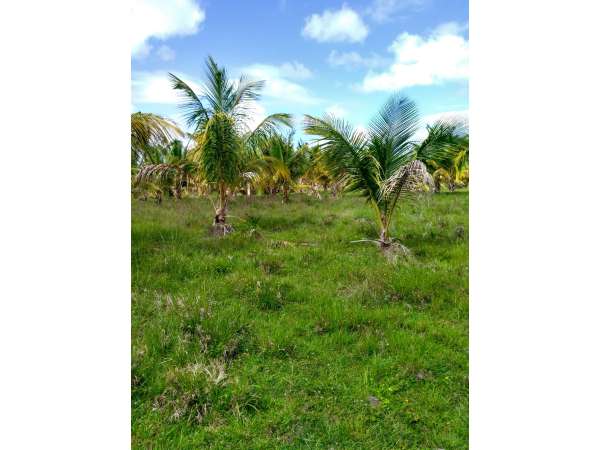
(316, 57)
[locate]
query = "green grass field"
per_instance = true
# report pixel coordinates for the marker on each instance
(286, 335)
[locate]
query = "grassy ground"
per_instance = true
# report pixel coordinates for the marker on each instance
(286, 335)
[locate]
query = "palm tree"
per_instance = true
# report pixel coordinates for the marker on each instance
(461, 162)
(220, 114)
(149, 131)
(458, 170)
(284, 164)
(380, 164)
(316, 175)
(170, 167)
(445, 152)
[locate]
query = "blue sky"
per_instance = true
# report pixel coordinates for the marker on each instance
(315, 56)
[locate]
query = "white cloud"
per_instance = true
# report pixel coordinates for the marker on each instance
(386, 10)
(162, 19)
(460, 115)
(442, 56)
(449, 28)
(143, 50)
(155, 87)
(295, 71)
(336, 26)
(354, 59)
(337, 111)
(257, 114)
(165, 53)
(277, 84)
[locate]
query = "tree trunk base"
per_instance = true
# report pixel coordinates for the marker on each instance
(384, 245)
(221, 229)
(394, 251)
(390, 249)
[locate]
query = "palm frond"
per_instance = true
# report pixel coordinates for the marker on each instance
(269, 126)
(218, 149)
(442, 144)
(247, 90)
(152, 172)
(346, 154)
(407, 181)
(277, 169)
(151, 130)
(219, 90)
(194, 112)
(392, 131)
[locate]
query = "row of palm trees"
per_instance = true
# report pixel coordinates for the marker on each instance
(226, 156)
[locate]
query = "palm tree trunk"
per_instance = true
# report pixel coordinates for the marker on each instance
(178, 185)
(220, 225)
(315, 189)
(384, 238)
(286, 191)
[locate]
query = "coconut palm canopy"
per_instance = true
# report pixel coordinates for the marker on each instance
(149, 131)
(445, 151)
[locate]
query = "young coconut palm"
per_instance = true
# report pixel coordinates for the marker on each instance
(458, 170)
(220, 114)
(148, 131)
(453, 171)
(380, 164)
(171, 167)
(316, 175)
(283, 164)
(445, 152)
